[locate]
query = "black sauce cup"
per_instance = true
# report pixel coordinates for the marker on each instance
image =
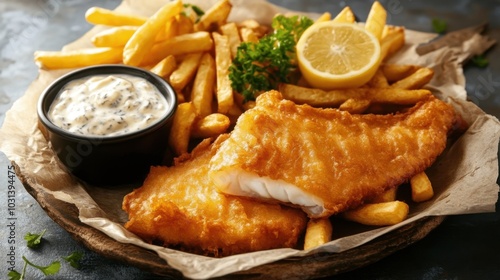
(109, 161)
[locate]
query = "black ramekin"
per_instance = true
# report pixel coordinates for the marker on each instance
(110, 160)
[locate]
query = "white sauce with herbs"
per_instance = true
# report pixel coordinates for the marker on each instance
(107, 105)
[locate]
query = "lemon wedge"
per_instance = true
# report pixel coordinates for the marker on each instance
(337, 55)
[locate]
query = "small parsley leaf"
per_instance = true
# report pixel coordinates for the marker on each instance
(480, 61)
(33, 239)
(14, 275)
(439, 26)
(74, 259)
(51, 269)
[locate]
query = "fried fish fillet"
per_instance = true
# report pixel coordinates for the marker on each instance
(180, 207)
(326, 160)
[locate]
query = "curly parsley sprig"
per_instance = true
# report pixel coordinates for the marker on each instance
(261, 66)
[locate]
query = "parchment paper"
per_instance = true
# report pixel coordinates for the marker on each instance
(464, 176)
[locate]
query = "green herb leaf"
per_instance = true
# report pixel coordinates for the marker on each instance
(439, 26)
(263, 65)
(51, 269)
(14, 275)
(480, 61)
(33, 239)
(74, 259)
(197, 10)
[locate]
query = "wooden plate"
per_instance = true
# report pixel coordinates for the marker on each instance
(315, 266)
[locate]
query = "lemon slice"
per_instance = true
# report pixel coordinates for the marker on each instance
(337, 55)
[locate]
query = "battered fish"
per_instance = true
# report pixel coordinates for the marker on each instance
(326, 160)
(180, 207)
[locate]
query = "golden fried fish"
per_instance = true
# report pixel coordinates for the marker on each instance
(180, 207)
(326, 160)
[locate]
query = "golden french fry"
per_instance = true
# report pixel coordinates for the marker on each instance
(185, 71)
(168, 31)
(258, 29)
(396, 72)
(113, 37)
(211, 125)
(179, 45)
(388, 195)
(184, 24)
(324, 17)
(217, 14)
(165, 67)
(233, 35)
(144, 38)
(318, 232)
(355, 106)
(321, 98)
(345, 16)
(248, 35)
(222, 62)
(421, 187)
(77, 58)
(203, 86)
(180, 131)
(416, 80)
(378, 214)
(96, 15)
(378, 80)
(391, 43)
(376, 20)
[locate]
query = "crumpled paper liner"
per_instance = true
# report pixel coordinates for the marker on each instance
(464, 176)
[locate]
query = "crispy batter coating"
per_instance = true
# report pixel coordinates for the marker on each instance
(326, 160)
(179, 207)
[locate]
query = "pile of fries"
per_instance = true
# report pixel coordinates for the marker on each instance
(193, 53)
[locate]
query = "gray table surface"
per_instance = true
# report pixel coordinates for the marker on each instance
(462, 247)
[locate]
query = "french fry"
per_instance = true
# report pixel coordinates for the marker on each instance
(77, 58)
(318, 232)
(96, 15)
(376, 20)
(114, 37)
(169, 30)
(355, 106)
(203, 86)
(184, 24)
(217, 14)
(345, 16)
(180, 131)
(421, 187)
(324, 17)
(179, 45)
(248, 35)
(258, 29)
(416, 80)
(185, 71)
(211, 125)
(233, 35)
(378, 214)
(165, 67)
(391, 43)
(333, 98)
(222, 62)
(388, 195)
(144, 38)
(396, 72)
(378, 80)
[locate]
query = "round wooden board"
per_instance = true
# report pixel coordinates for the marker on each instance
(315, 266)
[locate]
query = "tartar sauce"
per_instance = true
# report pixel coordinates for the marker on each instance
(107, 105)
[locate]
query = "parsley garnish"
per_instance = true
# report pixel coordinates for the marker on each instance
(439, 25)
(197, 10)
(74, 259)
(480, 61)
(261, 66)
(33, 239)
(51, 269)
